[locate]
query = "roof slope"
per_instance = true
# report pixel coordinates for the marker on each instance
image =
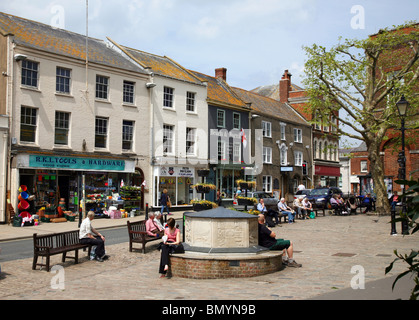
(219, 91)
(159, 65)
(44, 37)
(270, 107)
(272, 91)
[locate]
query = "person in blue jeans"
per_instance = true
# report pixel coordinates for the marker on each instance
(163, 202)
(284, 209)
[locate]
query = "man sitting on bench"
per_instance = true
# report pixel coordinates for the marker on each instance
(284, 209)
(267, 240)
(87, 237)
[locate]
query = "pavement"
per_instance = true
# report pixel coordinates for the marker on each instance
(342, 257)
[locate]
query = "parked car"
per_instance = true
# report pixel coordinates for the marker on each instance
(304, 192)
(320, 197)
(270, 201)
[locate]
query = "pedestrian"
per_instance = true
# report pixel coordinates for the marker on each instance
(267, 239)
(171, 244)
(89, 235)
(165, 202)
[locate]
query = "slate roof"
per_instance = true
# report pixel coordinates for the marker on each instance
(270, 107)
(218, 91)
(159, 65)
(272, 91)
(43, 37)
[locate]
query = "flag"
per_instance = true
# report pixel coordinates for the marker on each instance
(244, 140)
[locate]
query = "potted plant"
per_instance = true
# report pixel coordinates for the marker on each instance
(199, 205)
(203, 187)
(246, 184)
(246, 201)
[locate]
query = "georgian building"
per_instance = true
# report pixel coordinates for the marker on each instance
(75, 121)
(283, 142)
(178, 126)
(325, 141)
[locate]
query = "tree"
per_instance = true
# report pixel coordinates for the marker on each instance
(362, 80)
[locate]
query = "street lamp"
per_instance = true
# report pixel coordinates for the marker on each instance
(402, 106)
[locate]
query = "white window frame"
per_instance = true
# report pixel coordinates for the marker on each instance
(283, 155)
(128, 90)
(267, 155)
(236, 125)
(282, 130)
(29, 120)
(223, 113)
(237, 152)
(267, 183)
(363, 165)
(190, 102)
(128, 133)
(298, 135)
(221, 150)
(190, 141)
(33, 74)
(61, 80)
(168, 139)
(298, 158)
(100, 132)
(267, 129)
(102, 87)
(168, 97)
(62, 125)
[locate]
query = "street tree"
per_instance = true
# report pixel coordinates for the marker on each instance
(361, 81)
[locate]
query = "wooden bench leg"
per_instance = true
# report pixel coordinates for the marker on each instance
(47, 261)
(64, 256)
(35, 261)
(76, 256)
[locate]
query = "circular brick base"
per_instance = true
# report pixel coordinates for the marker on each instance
(210, 266)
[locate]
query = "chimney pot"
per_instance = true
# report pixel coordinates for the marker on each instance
(221, 73)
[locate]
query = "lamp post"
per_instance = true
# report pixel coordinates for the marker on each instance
(402, 106)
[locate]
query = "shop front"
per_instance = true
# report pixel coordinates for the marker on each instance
(65, 180)
(177, 180)
(326, 175)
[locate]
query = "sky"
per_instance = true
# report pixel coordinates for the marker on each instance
(256, 40)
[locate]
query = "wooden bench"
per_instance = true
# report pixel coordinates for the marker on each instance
(56, 243)
(137, 234)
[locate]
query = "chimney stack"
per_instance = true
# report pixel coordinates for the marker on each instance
(285, 87)
(221, 73)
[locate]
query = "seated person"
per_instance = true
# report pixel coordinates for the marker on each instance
(367, 201)
(335, 204)
(298, 207)
(285, 210)
(267, 239)
(351, 204)
(342, 204)
(262, 209)
(307, 205)
(152, 228)
(394, 199)
(89, 235)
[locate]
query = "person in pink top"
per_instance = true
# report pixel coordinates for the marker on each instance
(153, 230)
(171, 244)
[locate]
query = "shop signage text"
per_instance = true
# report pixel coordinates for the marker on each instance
(55, 162)
(177, 172)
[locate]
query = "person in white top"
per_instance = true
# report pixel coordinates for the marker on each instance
(89, 235)
(301, 187)
(284, 209)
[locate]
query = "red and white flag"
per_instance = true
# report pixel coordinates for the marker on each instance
(244, 139)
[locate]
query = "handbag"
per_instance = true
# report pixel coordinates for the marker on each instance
(168, 203)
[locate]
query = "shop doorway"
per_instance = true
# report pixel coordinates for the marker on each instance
(137, 180)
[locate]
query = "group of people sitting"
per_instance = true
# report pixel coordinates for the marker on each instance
(301, 209)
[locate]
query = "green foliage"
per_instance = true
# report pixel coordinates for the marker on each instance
(412, 201)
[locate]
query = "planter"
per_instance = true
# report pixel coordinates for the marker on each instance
(201, 207)
(202, 189)
(245, 202)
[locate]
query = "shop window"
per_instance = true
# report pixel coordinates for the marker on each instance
(101, 132)
(102, 87)
(62, 84)
(127, 134)
(30, 73)
(128, 92)
(62, 125)
(28, 124)
(168, 139)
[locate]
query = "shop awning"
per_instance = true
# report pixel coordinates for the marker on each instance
(327, 171)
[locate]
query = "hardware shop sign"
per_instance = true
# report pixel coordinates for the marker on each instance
(55, 162)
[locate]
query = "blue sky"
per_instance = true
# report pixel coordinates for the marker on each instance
(256, 40)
